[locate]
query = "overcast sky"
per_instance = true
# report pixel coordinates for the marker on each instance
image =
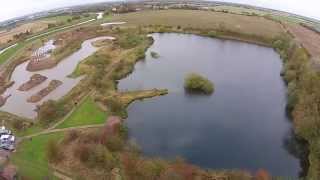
(16, 8)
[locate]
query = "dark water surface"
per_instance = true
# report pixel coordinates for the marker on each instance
(243, 125)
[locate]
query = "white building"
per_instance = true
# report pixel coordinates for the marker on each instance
(7, 140)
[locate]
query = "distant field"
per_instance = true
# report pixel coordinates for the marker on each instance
(235, 9)
(55, 19)
(40, 25)
(204, 19)
(10, 52)
(33, 27)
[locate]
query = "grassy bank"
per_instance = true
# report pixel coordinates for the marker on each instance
(31, 158)
(303, 81)
(87, 113)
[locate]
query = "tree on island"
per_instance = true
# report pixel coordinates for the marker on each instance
(195, 83)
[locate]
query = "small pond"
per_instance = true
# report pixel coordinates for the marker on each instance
(243, 125)
(17, 103)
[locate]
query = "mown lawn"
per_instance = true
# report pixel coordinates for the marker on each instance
(31, 159)
(87, 113)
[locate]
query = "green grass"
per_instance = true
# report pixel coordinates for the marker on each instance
(8, 53)
(61, 18)
(31, 156)
(86, 114)
(31, 130)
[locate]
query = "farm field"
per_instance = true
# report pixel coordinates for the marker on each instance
(309, 39)
(33, 27)
(239, 10)
(204, 20)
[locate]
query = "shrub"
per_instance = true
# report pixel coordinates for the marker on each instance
(82, 151)
(76, 17)
(49, 111)
(114, 104)
(154, 55)
(197, 83)
(114, 143)
(130, 164)
(18, 125)
(100, 157)
(54, 152)
(51, 25)
(140, 54)
(128, 41)
(71, 136)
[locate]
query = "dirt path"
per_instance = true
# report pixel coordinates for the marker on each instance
(69, 114)
(48, 131)
(61, 176)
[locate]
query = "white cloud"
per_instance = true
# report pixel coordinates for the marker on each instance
(15, 8)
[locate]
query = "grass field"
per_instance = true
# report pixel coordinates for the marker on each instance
(239, 10)
(31, 156)
(87, 113)
(8, 53)
(251, 25)
(56, 19)
(34, 27)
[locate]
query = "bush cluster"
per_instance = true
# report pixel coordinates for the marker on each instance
(51, 110)
(197, 83)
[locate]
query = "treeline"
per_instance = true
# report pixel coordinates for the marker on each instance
(303, 105)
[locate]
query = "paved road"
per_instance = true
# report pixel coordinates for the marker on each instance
(3, 50)
(56, 30)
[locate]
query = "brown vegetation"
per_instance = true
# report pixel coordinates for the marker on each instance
(54, 84)
(34, 81)
(87, 157)
(50, 111)
(37, 65)
(308, 38)
(251, 25)
(31, 27)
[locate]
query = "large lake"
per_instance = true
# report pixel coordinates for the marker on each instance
(243, 125)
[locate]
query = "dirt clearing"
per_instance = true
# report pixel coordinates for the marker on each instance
(308, 38)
